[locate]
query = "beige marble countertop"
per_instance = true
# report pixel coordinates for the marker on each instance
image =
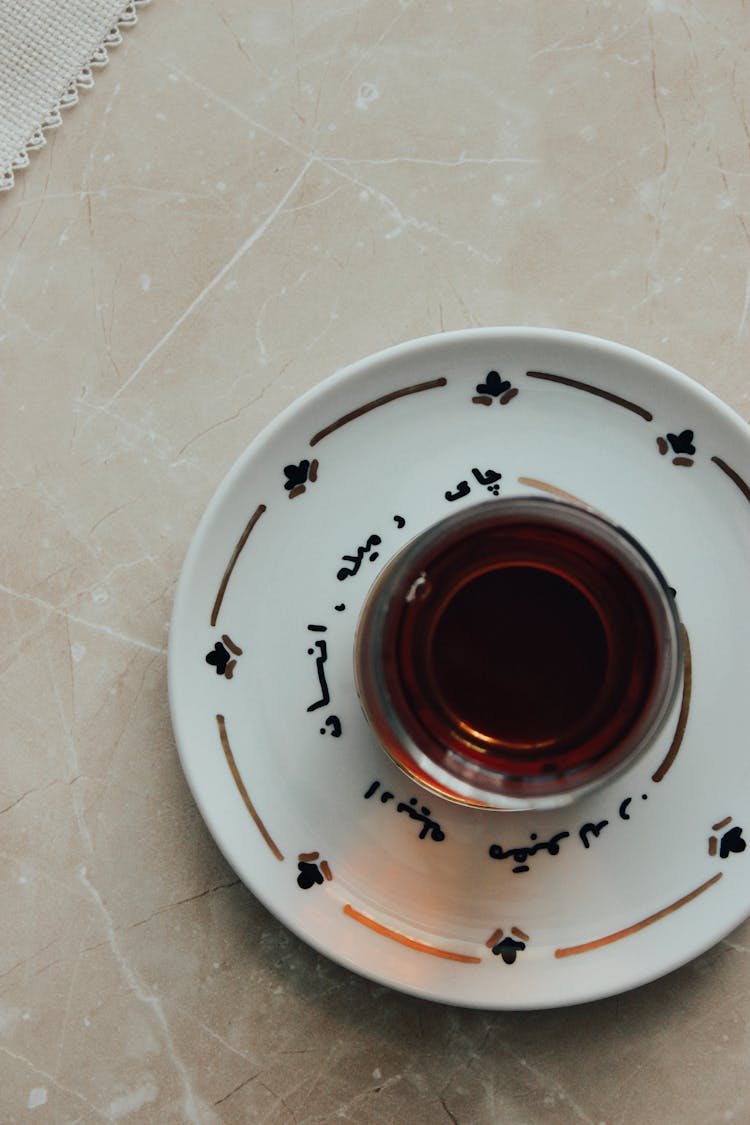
(253, 195)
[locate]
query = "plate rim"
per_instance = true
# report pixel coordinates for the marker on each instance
(351, 372)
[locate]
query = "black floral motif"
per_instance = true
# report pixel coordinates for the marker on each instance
(682, 443)
(219, 658)
(732, 841)
(309, 875)
(508, 948)
(313, 870)
(224, 656)
(493, 385)
(494, 389)
(300, 475)
(296, 475)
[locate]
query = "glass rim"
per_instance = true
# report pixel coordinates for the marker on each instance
(445, 771)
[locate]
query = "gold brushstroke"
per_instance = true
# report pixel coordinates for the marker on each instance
(376, 402)
(685, 462)
(712, 845)
(419, 946)
(509, 396)
(231, 645)
(232, 562)
(297, 491)
(734, 476)
(662, 446)
(577, 385)
(325, 867)
(597, 943)
(722, 824)
(544, 486)
(241, 786)
(520, 934)
(495, 938)
(313, 471)
(308, 857)
(482, 400)
(229, 670)
(687, 689)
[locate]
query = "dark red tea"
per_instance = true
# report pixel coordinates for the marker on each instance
(520, 651)
(518, 654)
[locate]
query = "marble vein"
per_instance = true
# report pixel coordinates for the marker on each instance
(66, 726)
(182, 902)
(130, 430)
(33, 792)
(559, 1090)
(737, 948)
(236, 1090)
(363, 55)
(16, 1057)
(72, 981)
(95, 626)
(193, 1110)
(448, 1114)
(352, 1103)
(463, 160)
(219, 99)
(216, 425)
(334, 165)
(404, 221)
(111, 189)
(598, 43)
(211, 1032)
(745, 307)
(239, 253)
(29, 957)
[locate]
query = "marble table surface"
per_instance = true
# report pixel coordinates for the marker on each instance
(253, 195)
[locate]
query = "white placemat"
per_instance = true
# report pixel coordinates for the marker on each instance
(48, 49)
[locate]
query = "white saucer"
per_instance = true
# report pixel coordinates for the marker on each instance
(494, 910)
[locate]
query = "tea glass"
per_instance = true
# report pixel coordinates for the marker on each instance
(519, 654)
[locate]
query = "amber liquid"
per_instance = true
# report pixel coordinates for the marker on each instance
(527, 647)
(519, 654)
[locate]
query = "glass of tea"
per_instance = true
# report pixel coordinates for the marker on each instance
(518, 654)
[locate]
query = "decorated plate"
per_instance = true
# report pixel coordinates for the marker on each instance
(488, 909)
